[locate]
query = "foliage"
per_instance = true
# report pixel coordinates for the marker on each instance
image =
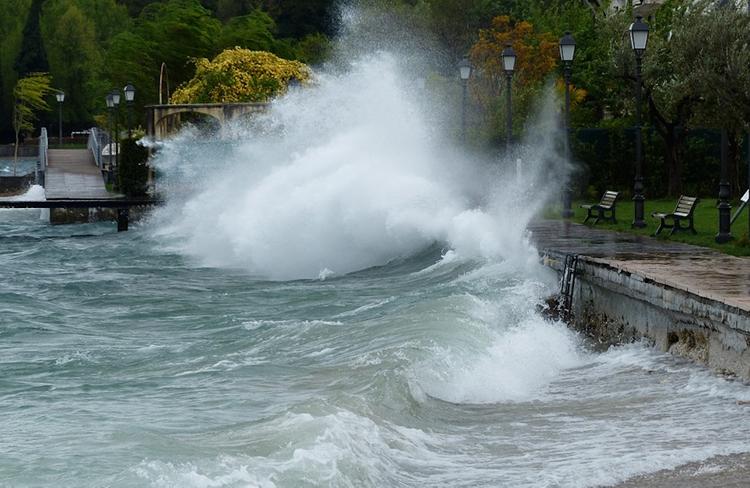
(240, 75)
(133, 169)
(32, 57)
(29, 94)
(536, 58)
(70, 38)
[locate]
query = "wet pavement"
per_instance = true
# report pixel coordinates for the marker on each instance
(697, 270)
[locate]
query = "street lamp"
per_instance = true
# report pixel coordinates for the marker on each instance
(129, 91)
(725, 232)
(116, 103)
(567, 53)
(638, 41)
(509, 64)
(111, 109)
(464, 69)
(60, 96)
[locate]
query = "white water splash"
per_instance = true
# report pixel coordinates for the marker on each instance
(345, 175)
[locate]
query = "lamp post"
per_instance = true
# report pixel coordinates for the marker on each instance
(724, 206)
(464, 69)
(129, 91)
(567, 53)
(116, 104)
(111, 110)
(638, 40)
(509, 64)
(60, 96)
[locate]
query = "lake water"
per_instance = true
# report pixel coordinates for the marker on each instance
(127, 364)
(23, 166)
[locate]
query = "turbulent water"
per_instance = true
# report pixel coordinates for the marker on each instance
(331, 297)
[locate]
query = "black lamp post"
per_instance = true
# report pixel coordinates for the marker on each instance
(129, 91)
(60, 96)
(509, 64)
(638, 41)
(725, 232)
(111, 110)
(567, 53)
(464, 69)
(116, 103)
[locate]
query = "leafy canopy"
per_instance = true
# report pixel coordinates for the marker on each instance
(240, 75)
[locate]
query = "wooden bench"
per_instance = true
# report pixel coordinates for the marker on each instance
(606, 204)
(682, 212)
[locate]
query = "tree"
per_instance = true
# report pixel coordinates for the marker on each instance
(74, 59)
(253, 31)
(240, 75)
(11, 37)
(32, 57)
(29, 94)
(537, 58)
(711, 55)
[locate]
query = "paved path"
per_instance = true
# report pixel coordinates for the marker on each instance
(72, 174)
(698, 270)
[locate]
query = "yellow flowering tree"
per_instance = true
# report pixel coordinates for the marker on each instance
(240, 75)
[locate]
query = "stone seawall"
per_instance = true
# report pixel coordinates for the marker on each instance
(613, 305)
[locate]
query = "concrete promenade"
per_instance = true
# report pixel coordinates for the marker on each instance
(690, 301)
(72, 174)
(697, 270)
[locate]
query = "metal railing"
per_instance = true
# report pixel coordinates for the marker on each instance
(41, 162)
(97, 141)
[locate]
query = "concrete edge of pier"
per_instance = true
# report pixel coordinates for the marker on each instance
(614, 303)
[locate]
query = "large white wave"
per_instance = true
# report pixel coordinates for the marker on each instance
(343, 175)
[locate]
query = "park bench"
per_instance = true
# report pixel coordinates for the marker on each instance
(606, 204)
(682, 212)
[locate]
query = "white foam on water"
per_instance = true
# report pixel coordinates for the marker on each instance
(34, 193)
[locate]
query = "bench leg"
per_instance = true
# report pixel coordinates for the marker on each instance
(599, 215)
(588, 215)
(660, 228)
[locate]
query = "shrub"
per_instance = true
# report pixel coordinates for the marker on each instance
(133, 170)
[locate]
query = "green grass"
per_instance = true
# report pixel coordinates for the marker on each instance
(706, 220)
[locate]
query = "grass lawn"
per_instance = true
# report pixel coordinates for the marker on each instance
(706, 223)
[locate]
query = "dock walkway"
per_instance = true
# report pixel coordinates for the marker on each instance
(72, 174)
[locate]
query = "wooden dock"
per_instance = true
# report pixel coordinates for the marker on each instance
(73, 181)
(72, 174)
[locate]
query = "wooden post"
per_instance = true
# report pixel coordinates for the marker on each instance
(122, 219)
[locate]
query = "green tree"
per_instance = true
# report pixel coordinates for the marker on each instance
(32, 57)
(29, 94)
(74, 56)
(253, 31)
(172, 32)
(11, 36)
(108, 16)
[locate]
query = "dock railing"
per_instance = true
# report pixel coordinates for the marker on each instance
(41, 162)
(97, 141)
